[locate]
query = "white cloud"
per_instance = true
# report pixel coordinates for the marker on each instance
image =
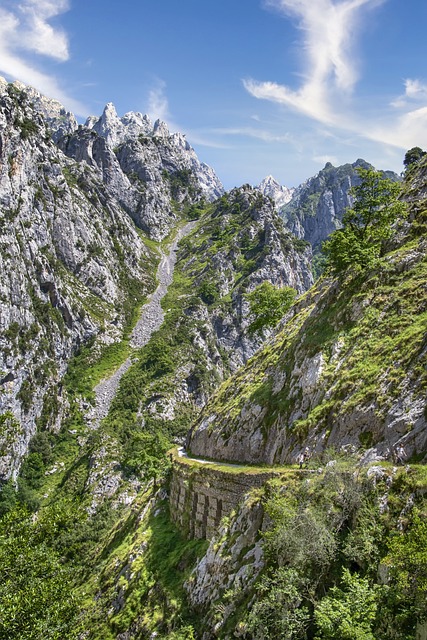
(37, 34)
(158, 106)
(330, 74)
(405, 131)
(250, 132)
(26, 30)
(415, 91)
(324, 159)
(329, 30)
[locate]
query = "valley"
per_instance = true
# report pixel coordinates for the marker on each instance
(167, 351)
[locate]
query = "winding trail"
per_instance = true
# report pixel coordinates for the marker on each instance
(150, 320)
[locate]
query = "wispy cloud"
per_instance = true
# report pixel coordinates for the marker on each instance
(329, 31)
(158, 105)
(250, 132)
(323, 159)
(25, 29)
(415, 91)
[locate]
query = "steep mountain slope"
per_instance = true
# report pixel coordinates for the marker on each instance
(99, 473)
(73, 266)
(347, 368)
(87, 545)
(236, 244)
(163, 169)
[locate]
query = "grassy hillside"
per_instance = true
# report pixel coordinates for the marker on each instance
(347, 368)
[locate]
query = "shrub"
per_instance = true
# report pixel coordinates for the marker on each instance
(269, 304)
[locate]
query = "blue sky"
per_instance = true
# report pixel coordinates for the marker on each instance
(259, 86)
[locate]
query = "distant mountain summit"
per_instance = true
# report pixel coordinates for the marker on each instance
(317, 206)
(162, 166)
(280, 195)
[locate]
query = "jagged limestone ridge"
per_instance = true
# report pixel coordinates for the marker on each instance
(73, 267)
(318, 205)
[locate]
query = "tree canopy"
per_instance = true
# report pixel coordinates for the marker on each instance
(367, 224)
(412, 156)
(269, 304)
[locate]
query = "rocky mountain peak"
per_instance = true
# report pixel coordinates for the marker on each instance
(109, 125)
(137, 123)
(281, 195)
(317, 206)
(161, 129)
(58, 120)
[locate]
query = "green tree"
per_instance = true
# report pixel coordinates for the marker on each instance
(277, 612)
(268, 304)
(413, 155)
(208, 292)
(347, 613)
(407, 559)
(157, 358)
(36, 597)
(367, 224)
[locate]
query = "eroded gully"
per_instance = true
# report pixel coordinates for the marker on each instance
(150, 320)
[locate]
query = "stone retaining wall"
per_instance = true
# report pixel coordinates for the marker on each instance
(200, 496)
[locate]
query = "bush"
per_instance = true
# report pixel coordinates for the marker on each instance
(268, 304)
(347, 612)
(208, 292)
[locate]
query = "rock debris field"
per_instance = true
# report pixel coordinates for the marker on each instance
(150, 320)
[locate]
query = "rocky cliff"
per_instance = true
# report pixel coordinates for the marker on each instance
(280, 194)
(72, 262)
(235, 244)
(160, 169)
(318, 205)
(346, 369)
(75, 265)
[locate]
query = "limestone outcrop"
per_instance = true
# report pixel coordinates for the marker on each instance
(69, 254)
(280, 194)
(347, 369)
(162, 168)
(318, 205)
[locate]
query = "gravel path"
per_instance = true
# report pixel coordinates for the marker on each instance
(218, 463)
(150, 320)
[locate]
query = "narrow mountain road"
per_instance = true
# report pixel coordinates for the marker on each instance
(150, 320)
(183, 454)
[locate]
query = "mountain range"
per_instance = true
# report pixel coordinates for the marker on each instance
(150, 429)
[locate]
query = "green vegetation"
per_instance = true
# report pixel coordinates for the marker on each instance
(412, 157)
(36, 588)
(367, 225)
(182, 183)
(365, 337)
(269, 304)
(345, 556)
(325, 546)
(27, 127)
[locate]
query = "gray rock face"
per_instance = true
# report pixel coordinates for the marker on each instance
(280, 195)
(162, 167)
(336, 375)
(273, 258)
(318, 205)
(237, 244)
(59, 121)
(232, 564)
(67, 250)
